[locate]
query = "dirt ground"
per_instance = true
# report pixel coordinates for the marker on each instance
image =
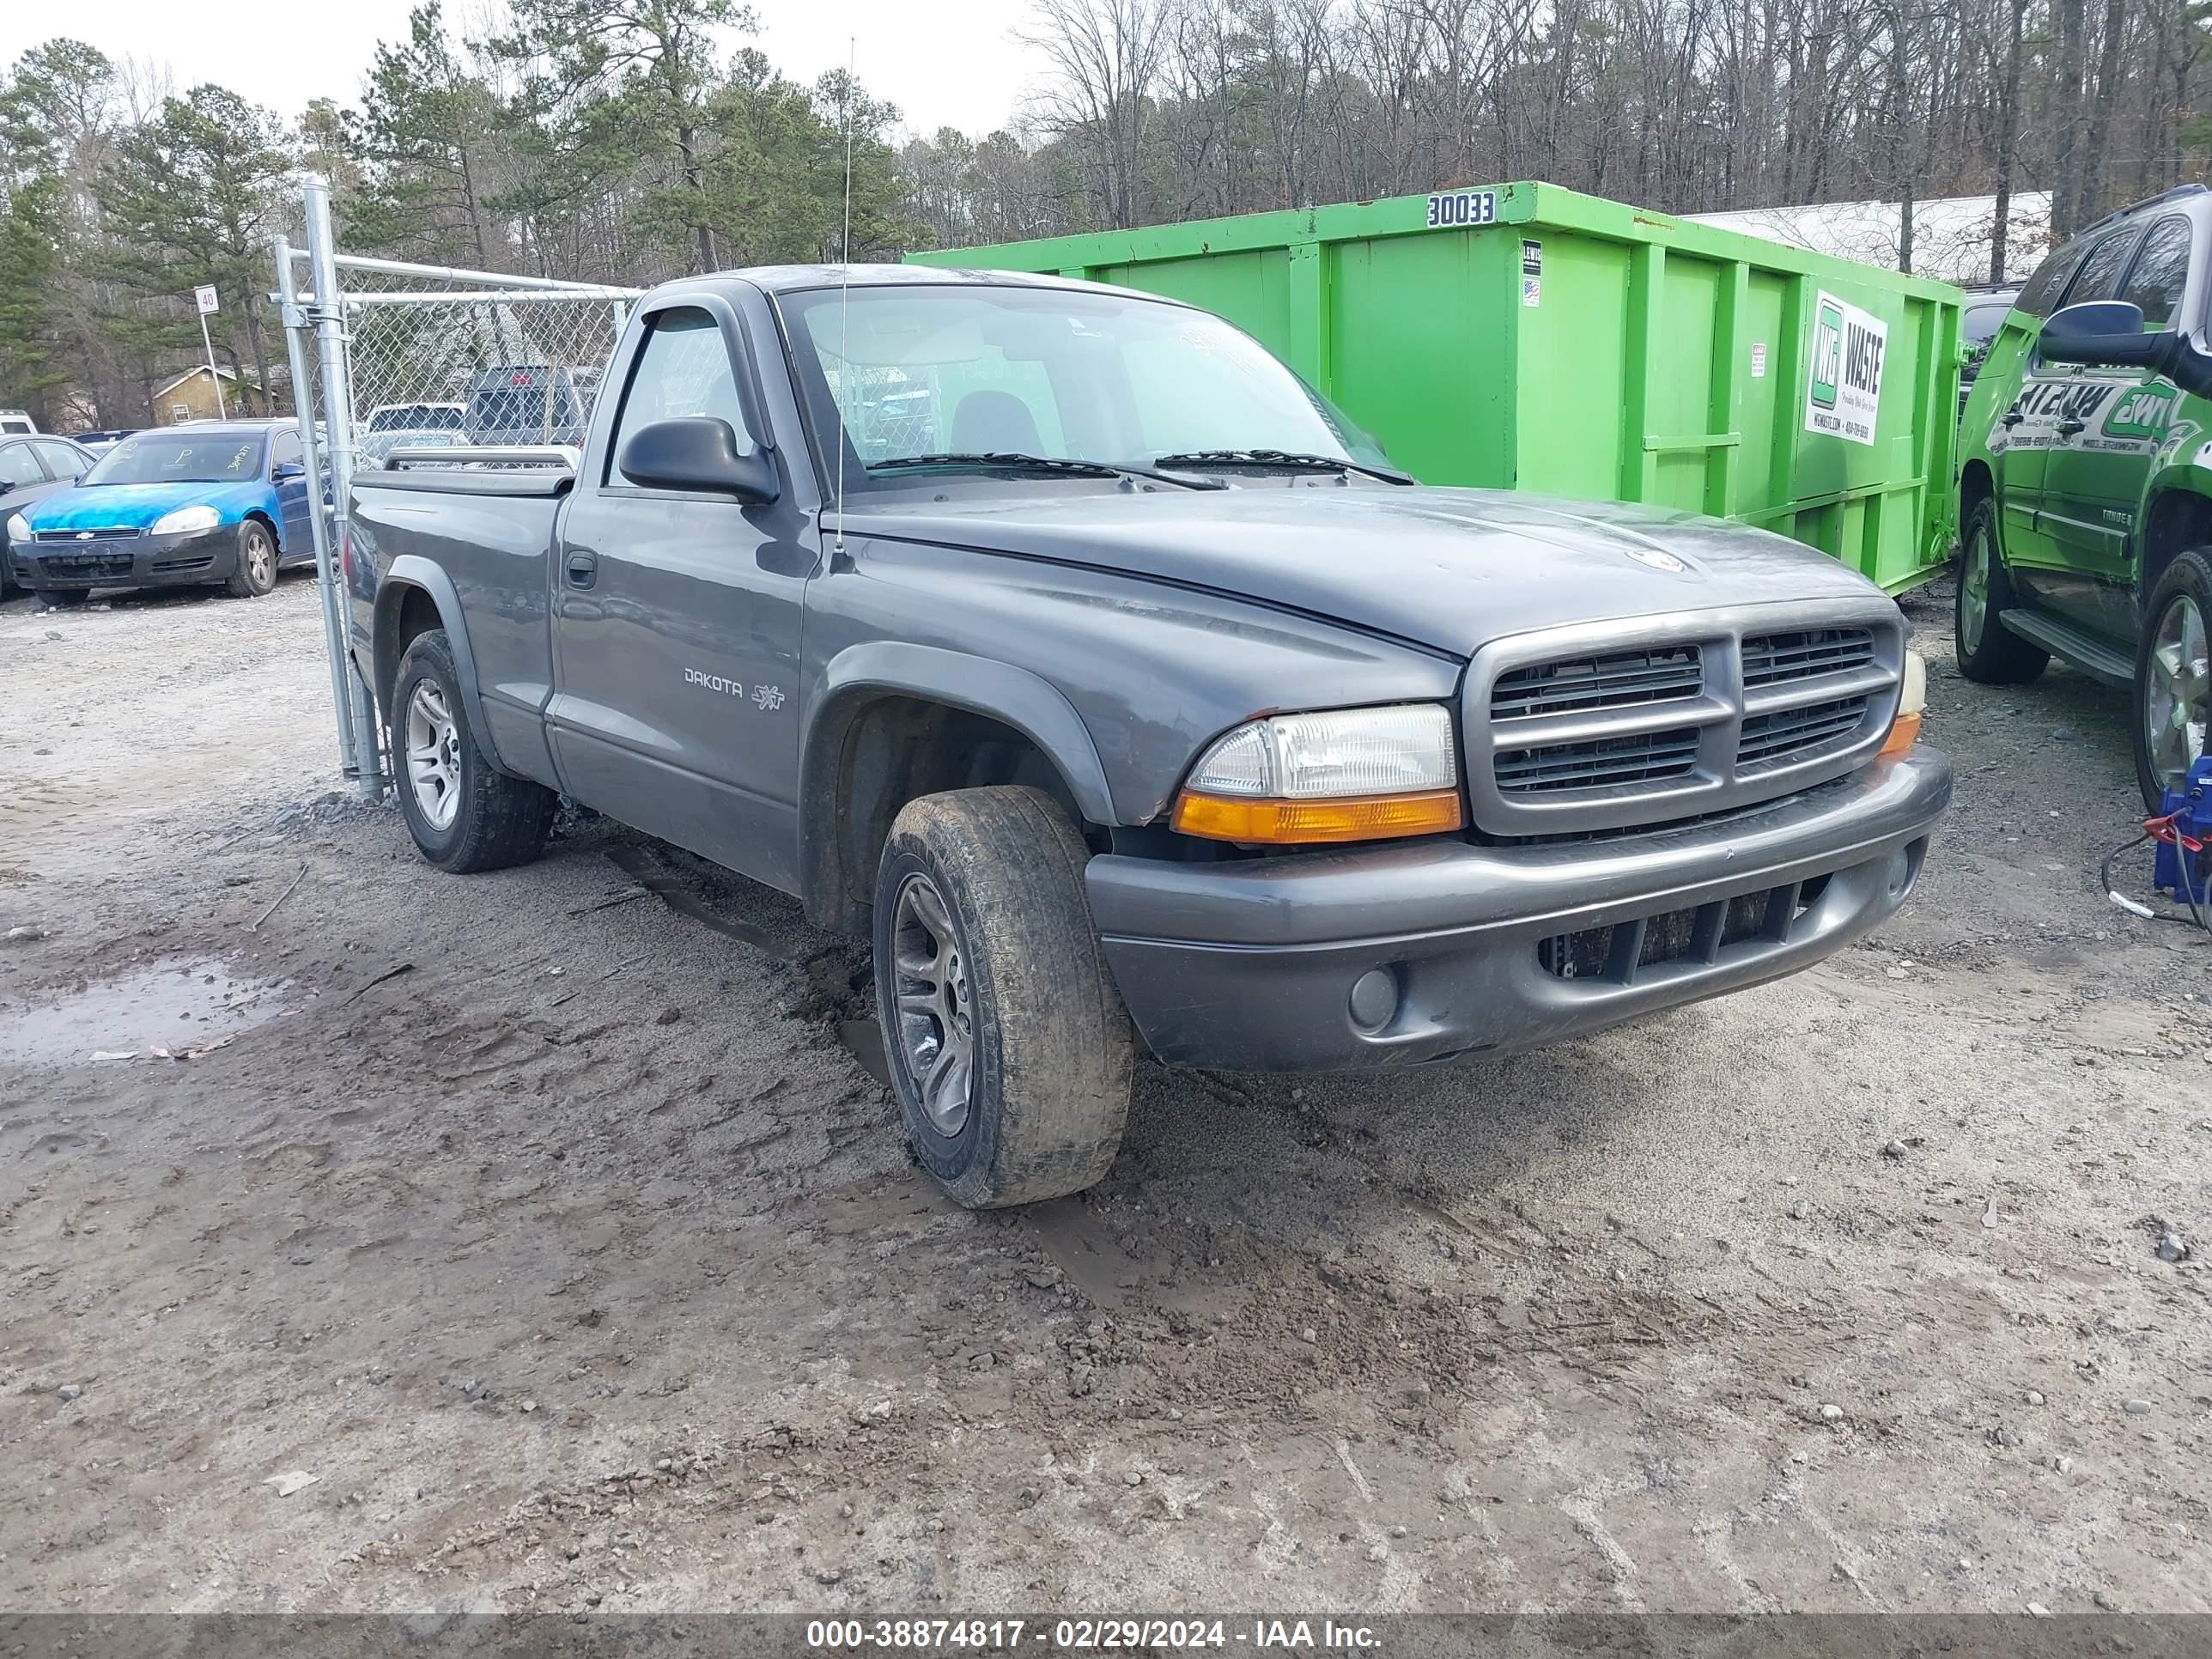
(558, 1238)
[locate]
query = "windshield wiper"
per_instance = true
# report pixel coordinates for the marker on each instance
(1009, 460)
(1280, 460)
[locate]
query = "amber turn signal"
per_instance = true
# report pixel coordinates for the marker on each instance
(1904, 733)
(1351, 817)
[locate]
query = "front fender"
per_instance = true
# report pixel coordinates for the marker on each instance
(411, 571)
(863, 673)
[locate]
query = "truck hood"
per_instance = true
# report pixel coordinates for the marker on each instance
(1446, 569)
(135, 506)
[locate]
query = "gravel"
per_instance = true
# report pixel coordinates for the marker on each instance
(1309, 1311)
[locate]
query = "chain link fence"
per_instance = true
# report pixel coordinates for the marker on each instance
(390, 356)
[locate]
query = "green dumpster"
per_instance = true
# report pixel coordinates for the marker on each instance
(1525, 336)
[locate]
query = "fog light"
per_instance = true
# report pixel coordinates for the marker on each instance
(1905, 868)
(1374, 999)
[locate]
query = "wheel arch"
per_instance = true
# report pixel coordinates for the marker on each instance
(414, 597)
(1977, 484)
(2177, 516)
(893, 721)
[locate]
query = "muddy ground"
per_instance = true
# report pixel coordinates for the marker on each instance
(558, 1238)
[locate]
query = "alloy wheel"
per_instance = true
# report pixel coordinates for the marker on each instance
(434, 755)
(933, 998)
(2178, 691)
(1974, 592)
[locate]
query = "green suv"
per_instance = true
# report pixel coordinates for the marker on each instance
(2085, 479)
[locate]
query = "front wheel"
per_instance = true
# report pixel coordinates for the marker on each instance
(465, 815)
(1989, 651)
(255, 571)
(1009, 1050)
(2173, 678)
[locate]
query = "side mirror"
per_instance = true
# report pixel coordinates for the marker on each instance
(286, 470)
(2108, 333)
(697, 452)
(6, 484)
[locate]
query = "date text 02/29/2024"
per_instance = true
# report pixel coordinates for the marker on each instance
(1087, 1635)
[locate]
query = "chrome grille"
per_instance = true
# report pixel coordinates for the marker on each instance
(1603, 726)
(1789, 734)
(87, 534)
(1774, 658)
(1619, 679)
(1601, 763)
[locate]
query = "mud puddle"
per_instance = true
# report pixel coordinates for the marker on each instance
(174, 1006)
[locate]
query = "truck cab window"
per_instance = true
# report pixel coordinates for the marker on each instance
(683, 369)
(2160, 273)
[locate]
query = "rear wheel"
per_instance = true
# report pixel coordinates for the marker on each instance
(465, 815)
(1989, 651)
(1008, 1048)
(2173, 676)
(255, 573)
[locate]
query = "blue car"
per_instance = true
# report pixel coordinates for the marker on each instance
(226, 502)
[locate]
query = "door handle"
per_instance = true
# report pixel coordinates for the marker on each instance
(2012, 417)
(2068, 428)
(583, 567)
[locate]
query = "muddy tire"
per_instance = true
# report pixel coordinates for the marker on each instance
(255, 571)
(2172, 697)
(1989, 652)
(465, 815)
(1008, 1048)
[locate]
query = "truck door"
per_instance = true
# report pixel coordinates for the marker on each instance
(2058, 403)
(676, 621)
(2094, 479)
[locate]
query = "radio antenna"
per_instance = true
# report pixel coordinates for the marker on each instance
(845, 289)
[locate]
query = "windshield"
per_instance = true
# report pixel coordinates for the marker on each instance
(395, 418)
(1061, 372)
(379, 444)
(173, 458)
(1981, 323)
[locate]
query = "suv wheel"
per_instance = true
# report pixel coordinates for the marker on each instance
(2173, 678)
(1989, 651)
(465, 815)
(1008, 1048)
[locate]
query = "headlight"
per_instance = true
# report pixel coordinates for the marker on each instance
(19, 527)
(186, 519)
(1912, 701)
(1347, 774)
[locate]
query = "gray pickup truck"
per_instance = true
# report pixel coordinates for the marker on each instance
(1131, 695)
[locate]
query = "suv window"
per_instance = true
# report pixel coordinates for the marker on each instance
(2161, 272)
(2100, 272)
(683, 369)
(2040, 297)
(63, 460)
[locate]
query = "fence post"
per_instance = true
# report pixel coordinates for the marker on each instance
(338, 422)
(303, 402)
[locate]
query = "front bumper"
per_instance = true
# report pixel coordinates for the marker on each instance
(198, 555)
(1252, 966)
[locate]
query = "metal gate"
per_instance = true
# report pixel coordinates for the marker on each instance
(385, 354)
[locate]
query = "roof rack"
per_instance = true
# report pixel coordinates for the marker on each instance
(2158, 200)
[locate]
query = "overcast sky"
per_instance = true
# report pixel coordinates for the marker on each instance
(944, 65)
